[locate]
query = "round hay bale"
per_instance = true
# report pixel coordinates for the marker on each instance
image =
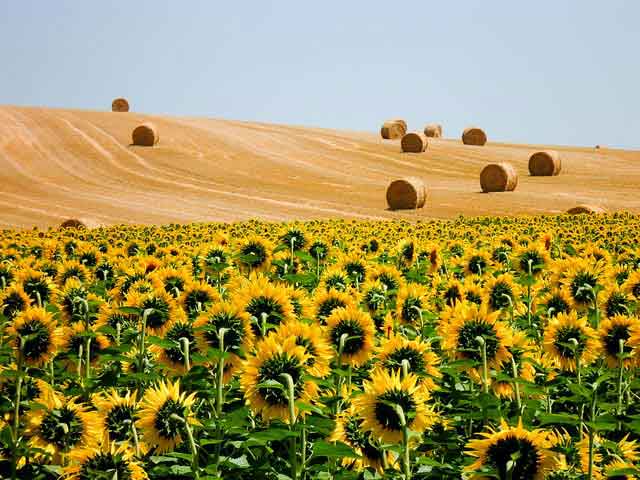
(589, 209)
(406, 194)
(545, 164)
(145, 135)
(498, 177)
(433, 130)
(474, 136)
(79, 223)
(414, 143)
(120, 105)
(392, 129)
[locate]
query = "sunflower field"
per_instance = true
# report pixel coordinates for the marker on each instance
(480, 348)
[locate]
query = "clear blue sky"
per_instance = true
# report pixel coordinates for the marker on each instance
(558, 72)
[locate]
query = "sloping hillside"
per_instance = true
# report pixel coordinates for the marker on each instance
(56, 164)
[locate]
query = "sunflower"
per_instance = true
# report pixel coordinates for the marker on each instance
(254, 253)
(42, 337)
(529, 450)
(460, 327)
(197, 296)
(411, 301)
(349, 431)
(334, 278)
(359, 331)
(301, 303)
(173, 357)
(163, 310)
(374, 296)
(615, 301)
(62, 425)
(325, 302)
(356, 268)
(612, 468)
(532, 258)
(476, 262)
(119, 413)
(33, 389)
(74, 337)
(128, 277)
(37, 285)
(632, 285)
(109, 315)
(502, 292)
(422, 361)
(377, 404)
(70, 301)
(311, 337)
(453, 292)
(273, 357)
(294, 238)
(238, 338)
(389, 276)
(612, 331)
(73, 269)
(13, 300)
(581, 281)
(116, 461)
(157, 416)
(555, 301)
(267, 304)
(559, 336)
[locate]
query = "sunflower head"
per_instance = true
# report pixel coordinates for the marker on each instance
(117, 461)
(412, 300)
(619, 334)
(312, 338)
(325, 302)
(351, 333)
(416, 356)
(119, 413)
(567, 338)
(13, 300)
(36, 335)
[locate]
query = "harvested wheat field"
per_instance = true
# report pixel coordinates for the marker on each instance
(61, 164)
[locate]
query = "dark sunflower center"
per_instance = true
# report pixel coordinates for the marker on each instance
(500, 296)
(115, 422)
(526, 463)
(63, 428)
(636, 290)
(467, 339)
(196, 298)
(473, 297)
(582, 287)
(612, 340)
(388, 281)
(318, 250)
(37, 285)
(452, 295)
(6, 275)
(167, 426)
(118, 318)
(411, 309)
(327, 307)
(173, 283)
(175, 333)
(159, 314)
(356, 271)
(477, 264)
(359, 439)
(13, 304)
(537, 262)
(355, 336)
(130, 280)
(272, 369)
(501, 254)
(385, 412)
(73, 272)
(562, 341)
(415, 359)
(72, 307)
(254, 254)
(38, 341)
(616, 304)
(234, 335)
(215, 257)
(408, 252)
(295, 238)
(558, 304)
(374, 298)
(89, 259)
(337, 282)
(264, 307)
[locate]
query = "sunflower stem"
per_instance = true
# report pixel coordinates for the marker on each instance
(220, 394)
(136, 440)
(405, 441)
(620, 373)
(516, 386)
(303, 448)
(263, 323)
(485, 369)
(577, 355)
(192, 445)
(16, 409)
(405, 368)
(142, 355)
(292, 423)
(529, 268)
(118, 333)
(184, 347)
(87, 360)
(38, 299)
(79, 370)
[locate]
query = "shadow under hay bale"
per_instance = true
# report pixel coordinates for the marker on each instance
(120, 105)
(584, 208)
(545, 164)
(474, 136)
(406, 194)
(498, 177)
(79, 223)
(414, 143)
(433, 130)
(145, 135)
(392, 129)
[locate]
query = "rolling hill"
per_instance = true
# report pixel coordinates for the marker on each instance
(57, 164)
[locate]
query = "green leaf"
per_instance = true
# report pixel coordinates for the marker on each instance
(338, 449)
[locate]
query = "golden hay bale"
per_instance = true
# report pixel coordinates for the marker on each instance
(392, 129)
(545, 164)
(120, 105)
(498, 177)
(145, 135)
(433, 130)
(406, 193)
(414, 143)
(79, 223)
(474, 136)
(590, 209)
